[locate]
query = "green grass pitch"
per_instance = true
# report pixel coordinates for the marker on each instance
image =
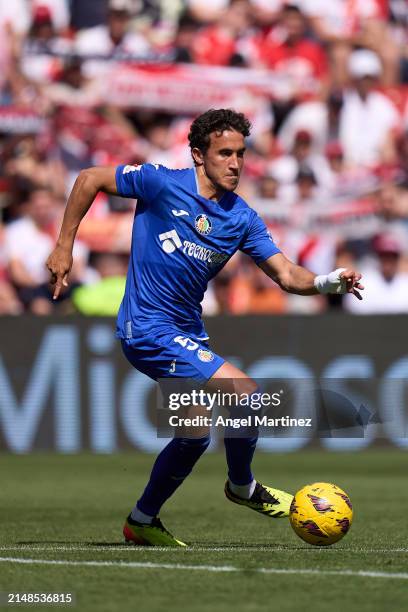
(71, 509)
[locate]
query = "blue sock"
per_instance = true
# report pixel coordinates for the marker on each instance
(172, 466)
(239, 452)
(240, 447)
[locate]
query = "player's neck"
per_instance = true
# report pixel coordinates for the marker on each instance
(206, 187)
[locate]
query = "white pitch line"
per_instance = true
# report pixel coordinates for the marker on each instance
(192, 549)
(207, 568)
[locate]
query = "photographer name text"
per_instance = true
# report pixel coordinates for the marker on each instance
(236, 423)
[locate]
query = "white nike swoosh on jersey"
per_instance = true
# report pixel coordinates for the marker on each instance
(179, 213)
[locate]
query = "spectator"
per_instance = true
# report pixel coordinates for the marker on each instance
(165, 141)
(367, 116)
(319, 118)
(17, 15)
(342, 25)
(269, 198)
(306, 184)
(41, 51)
(219, 44)
(9, 302)
(115, 40)
(386, 284)
(302, 154)
(268, 187)
(28, 242)
(342, 181)
(72, 88)
(392, 210)
(184, 39)
(287, 49)
(58, 9)
(31, 162)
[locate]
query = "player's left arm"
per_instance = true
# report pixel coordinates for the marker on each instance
(296, 279)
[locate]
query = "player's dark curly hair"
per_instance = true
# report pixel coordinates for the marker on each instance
(216, 120)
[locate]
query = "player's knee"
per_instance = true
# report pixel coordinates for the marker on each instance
(245, 386)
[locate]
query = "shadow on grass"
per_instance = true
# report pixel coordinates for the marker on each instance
(202, 546)
(68, 543)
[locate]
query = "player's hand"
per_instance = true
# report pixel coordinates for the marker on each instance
(351, 282)
(340, 281)
(59, 263)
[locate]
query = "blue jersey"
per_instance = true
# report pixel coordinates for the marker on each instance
(180, 241)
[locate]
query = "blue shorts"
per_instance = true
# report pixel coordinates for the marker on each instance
(172, 354)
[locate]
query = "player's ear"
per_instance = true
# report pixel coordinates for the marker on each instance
(197, 156)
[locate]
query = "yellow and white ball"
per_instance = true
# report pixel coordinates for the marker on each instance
(321, 513)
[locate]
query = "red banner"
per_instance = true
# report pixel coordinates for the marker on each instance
(191, 89)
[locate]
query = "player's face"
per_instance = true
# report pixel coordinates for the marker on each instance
(224, 159)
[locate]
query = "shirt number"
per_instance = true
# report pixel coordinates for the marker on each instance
(190, 345)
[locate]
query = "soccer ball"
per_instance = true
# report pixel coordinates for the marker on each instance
(321, 513)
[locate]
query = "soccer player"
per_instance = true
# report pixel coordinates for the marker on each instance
(188, 223)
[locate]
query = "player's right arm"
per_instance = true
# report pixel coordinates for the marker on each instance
(290, 277)
(86, 187)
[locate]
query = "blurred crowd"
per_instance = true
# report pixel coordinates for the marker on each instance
(327, 161)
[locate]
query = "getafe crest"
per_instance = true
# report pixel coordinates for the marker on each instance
(203, 224)
(205, 355)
